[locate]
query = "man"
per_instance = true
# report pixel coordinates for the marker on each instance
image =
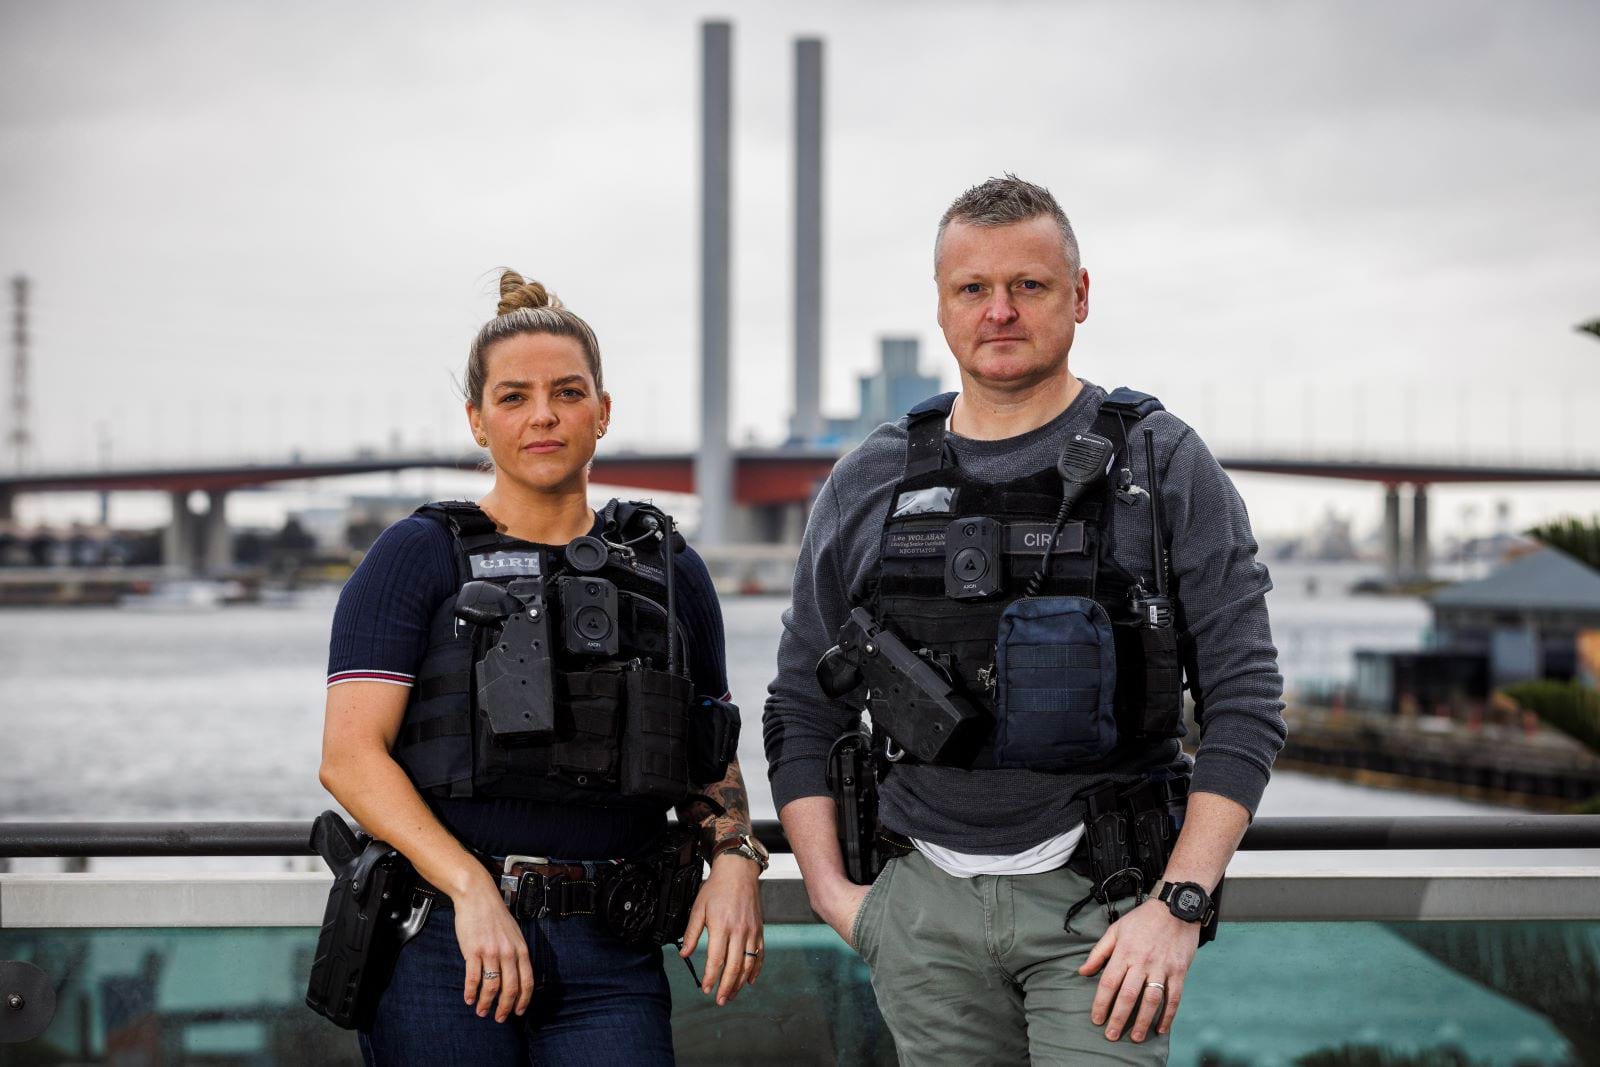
(964, 933)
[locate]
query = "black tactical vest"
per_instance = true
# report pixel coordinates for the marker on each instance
(627, 729)
(1062, 677)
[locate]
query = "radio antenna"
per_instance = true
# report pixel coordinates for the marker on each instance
(1158, 551)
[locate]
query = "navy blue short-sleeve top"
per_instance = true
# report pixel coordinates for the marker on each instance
(380, 632)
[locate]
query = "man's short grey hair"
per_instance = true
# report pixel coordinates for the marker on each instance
(1003, 201)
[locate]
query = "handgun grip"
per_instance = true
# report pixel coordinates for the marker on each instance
(334, 841)
(838, 672)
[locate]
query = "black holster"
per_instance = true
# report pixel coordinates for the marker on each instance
(374, 907)
(1128, 838)
(853, 780)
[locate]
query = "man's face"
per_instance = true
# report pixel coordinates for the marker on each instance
(1008, 300)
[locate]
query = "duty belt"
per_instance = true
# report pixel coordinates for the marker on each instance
(533, 887)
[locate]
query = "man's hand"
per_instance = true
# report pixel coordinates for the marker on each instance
(728, 909)
(1146, 955)
(839, 905)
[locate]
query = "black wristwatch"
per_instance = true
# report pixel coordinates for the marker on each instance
(1186, 900)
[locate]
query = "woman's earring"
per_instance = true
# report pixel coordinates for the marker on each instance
(483, 442)
(599, 433)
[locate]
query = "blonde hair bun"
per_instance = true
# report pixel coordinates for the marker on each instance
(517, 293)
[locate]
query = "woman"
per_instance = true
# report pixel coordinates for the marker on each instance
(434, 745)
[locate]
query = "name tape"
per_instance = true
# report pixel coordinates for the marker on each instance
(507, 565)
(1021, 539)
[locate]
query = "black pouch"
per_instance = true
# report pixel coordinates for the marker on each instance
(585, 751)
(655, 756)
(713, 739)
(1150, 698)
(1163, 683)
(1056, 667)
(648, 900)
(373, 909)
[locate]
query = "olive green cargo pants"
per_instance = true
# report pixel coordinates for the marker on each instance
(979, 970)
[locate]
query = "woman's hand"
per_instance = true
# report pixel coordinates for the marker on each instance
(728, 909)
(499, 973)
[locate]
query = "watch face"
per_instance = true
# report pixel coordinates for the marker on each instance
(1188, 903)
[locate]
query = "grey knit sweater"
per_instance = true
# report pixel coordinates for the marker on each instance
(1217, 582)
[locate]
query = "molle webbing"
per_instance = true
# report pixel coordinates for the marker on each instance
(446, 747)
(908, 592)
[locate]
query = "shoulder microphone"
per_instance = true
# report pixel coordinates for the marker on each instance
(1085, 459)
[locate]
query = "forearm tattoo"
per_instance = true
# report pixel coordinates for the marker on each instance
(735, 801)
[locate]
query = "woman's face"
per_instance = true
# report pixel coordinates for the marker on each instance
(540, 412)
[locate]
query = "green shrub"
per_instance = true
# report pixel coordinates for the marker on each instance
(1567, 706)
(1575, 537)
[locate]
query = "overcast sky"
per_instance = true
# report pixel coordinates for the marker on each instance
(256, 226)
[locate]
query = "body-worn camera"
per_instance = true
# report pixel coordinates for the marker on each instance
(972, 559)
(588, 615)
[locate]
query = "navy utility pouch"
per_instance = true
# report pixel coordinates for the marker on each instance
(1056, 674)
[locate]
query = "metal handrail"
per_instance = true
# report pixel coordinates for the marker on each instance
(67, 839)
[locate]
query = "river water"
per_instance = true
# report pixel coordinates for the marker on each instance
(119, 713)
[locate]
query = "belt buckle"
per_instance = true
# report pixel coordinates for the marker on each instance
(510, 884)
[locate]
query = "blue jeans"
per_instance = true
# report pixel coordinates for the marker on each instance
(595, 1001)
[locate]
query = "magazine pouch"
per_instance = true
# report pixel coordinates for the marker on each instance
(655, 756)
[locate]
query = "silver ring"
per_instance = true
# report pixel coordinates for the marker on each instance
(491, 974)
(752, 953)
(1155, 985)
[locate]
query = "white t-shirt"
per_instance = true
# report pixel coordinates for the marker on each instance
(1047, 855)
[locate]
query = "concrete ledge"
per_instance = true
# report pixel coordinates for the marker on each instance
(1522, 893)
(34, 901)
